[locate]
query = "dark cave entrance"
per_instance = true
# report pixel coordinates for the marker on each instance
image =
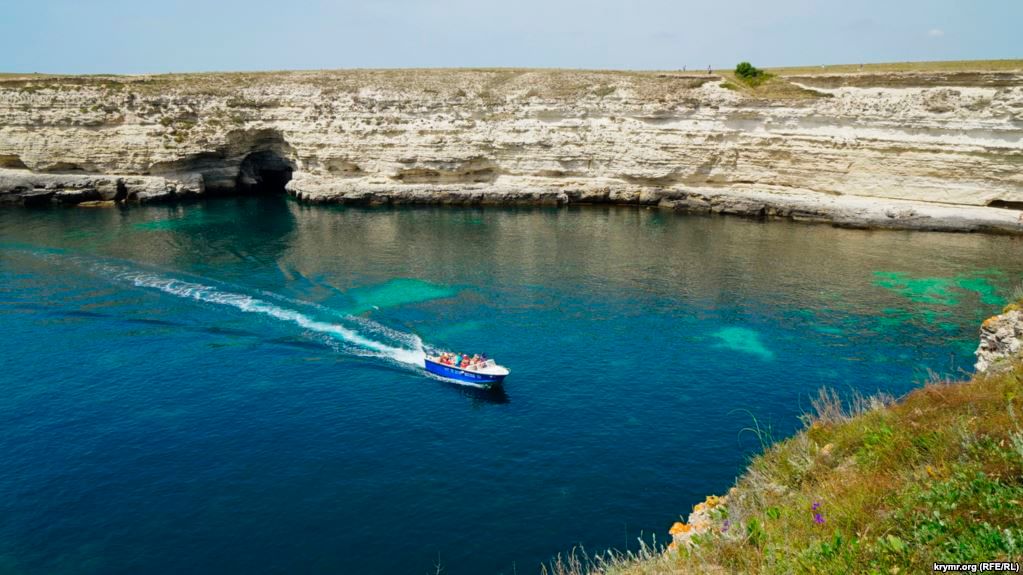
(1006, 204)
(264, 172)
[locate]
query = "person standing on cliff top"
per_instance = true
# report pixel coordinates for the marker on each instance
(708, 69)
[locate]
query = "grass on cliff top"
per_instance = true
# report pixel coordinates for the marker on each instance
(936, 477)
(487, 85)
(781, 83)
(769, 87)
(943, 66)
(494, 85)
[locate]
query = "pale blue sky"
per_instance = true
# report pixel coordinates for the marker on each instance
(86, 36)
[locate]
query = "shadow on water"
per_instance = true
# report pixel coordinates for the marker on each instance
(493, 396)
(72, 313)
(212, 330)
(238, 228)
(160, 322)
(215, 330)
(478, 395)
(298, 343)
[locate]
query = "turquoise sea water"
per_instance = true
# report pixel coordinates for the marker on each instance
(230, 387)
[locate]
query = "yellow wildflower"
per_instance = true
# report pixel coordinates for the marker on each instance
(712, 501)
(698, 507)
(678, 527)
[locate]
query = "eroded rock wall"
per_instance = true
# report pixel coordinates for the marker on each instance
(1001, 340)
(495, 136)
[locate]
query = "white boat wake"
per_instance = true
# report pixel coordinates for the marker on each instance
(344, 332)
(409, 349)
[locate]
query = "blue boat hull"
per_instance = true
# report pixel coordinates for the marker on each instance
(463, 376)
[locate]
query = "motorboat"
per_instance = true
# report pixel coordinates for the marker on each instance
(484, 373)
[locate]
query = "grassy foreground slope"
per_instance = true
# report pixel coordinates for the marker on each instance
(883, 487)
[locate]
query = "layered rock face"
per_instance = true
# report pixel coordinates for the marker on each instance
(1001, 340)
(917, 150)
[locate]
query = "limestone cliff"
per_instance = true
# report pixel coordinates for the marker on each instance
(917, 150)
(1001, 340)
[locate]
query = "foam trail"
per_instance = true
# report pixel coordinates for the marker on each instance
(250, 304)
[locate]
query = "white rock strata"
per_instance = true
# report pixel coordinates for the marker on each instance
(930, 151)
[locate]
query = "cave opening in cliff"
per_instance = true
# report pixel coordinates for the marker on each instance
(264, 172)
(1006, 204)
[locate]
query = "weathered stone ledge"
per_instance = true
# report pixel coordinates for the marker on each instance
(27, 188)
(747, 200)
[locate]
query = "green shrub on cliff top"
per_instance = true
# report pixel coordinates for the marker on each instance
(747, 70)
(750, 74)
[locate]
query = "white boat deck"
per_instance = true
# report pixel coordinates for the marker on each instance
(488, 367)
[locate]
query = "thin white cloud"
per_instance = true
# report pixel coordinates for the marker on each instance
(935, 32)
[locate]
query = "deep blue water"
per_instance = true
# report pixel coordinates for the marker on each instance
(223, 387)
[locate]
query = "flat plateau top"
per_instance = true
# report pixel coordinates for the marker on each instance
(1014, 65)
(499, 85)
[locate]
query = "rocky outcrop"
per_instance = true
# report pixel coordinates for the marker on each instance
(1001, 340)
(910, 150)
(31, 188)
